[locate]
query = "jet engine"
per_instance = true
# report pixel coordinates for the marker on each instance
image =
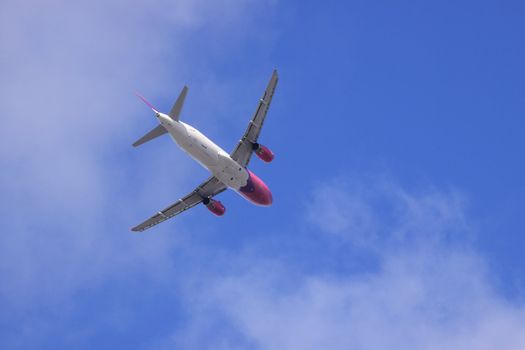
(263, 152)
(214, 206)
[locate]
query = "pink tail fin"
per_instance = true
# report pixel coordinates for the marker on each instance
(145, 101)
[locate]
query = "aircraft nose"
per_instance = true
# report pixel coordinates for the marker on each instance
(265, 196)
(256, 191)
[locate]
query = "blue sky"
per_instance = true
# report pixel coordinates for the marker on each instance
(398, 179)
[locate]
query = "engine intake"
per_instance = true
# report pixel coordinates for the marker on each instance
(214, 206)
(263, 152)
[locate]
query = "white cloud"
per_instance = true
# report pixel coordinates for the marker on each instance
(428, 290)
(374, 212)
(345, 213)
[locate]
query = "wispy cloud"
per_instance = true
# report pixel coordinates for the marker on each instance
(375, 213)
(429, 290)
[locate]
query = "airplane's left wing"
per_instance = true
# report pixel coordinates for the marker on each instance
(207, 189)
(243, 151)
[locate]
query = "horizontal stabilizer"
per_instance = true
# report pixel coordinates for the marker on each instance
(177, 107)
(156, 132)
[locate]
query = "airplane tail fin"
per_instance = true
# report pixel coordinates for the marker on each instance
(174, 114)
(146, 102)
(155, 132)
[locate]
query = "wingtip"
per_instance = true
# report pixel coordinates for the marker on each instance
(184, 91)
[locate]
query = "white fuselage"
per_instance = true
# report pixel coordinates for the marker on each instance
(206, 152)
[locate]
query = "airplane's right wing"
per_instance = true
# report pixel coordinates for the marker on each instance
(207, 189)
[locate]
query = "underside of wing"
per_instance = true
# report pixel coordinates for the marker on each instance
(242, 153)
(207, 189)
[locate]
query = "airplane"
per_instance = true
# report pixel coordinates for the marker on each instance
(228, 170)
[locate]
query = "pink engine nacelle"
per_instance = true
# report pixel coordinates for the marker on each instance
(215, 207)
(263, 152)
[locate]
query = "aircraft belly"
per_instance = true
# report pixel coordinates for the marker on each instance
(205, 157)
(209, 155)
(195, 144)
(229, 172)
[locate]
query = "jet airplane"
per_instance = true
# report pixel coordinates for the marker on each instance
(227, 170)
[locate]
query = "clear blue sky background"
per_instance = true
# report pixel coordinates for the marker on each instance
(398, 182)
